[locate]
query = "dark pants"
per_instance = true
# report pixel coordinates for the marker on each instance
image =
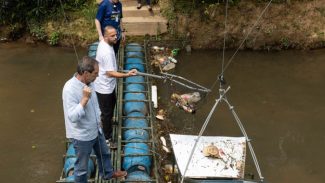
(148, 2)
(107, 104)
(117, 46)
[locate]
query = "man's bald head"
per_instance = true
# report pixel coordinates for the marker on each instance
(110, 35)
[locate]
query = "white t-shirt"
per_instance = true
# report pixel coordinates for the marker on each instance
(107, 62)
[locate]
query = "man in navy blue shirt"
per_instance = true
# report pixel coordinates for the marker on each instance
(110, 13)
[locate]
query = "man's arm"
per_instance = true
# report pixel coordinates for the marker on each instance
(116, 74)
(99, 30)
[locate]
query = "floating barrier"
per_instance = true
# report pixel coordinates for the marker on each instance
(137, 131)
(134, 79)
(134, 61)
(135, 102)
(70, 161)
(138, 176)
(138, 67)
(92, 49)
(134, 88)
(134, 54)
(136, 157)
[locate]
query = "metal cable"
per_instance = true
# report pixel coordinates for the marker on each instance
(242, 129)
(249, 32)
(230, 60)
(201, 132)
(224, 39)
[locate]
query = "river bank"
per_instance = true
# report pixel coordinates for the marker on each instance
(298, 25)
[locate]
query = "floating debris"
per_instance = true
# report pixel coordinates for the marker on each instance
(211, 151)
(161, 114)
(186, 101)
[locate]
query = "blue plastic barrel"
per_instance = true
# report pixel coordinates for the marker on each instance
(133, 162)
(92, 49)
(135, 134)
(134, 54)
(138, 67)
(135, 123)
(134, 61)
(137, 48)
(70, 161)
(133, 44)
(138, 176)
(136, 115)
(134, 79)
(134, 88)
(131, 106)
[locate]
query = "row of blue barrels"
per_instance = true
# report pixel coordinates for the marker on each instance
(137, 161)
(69, 162)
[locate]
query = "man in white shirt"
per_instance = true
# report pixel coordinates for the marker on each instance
(105, 83)
(82, 122)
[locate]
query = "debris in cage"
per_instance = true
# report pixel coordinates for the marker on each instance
(164, 57)
(186, 101)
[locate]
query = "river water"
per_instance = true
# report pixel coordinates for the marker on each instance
(277, 96)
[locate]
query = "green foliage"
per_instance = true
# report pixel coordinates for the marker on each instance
(89, 12)
(20, 11)
(37, 31)
(54, 38)
(285, 42)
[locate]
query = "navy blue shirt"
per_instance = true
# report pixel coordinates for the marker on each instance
(110, 13)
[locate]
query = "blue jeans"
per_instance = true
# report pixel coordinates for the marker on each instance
(83, 151)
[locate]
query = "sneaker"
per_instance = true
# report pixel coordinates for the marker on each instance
(119, 174)
(139, 6)
(112, 145)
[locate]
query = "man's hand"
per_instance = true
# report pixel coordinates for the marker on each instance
(132, 72)
(86, 93)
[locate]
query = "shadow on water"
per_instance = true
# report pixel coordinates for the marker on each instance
(32, 131)
(278, 97)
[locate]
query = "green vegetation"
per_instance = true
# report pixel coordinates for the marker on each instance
(30, 15)
(54, 38)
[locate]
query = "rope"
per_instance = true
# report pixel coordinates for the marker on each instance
(73, 44)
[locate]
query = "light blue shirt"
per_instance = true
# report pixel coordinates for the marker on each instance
(81, 123)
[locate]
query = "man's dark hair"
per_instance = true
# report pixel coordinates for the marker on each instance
(86, 64)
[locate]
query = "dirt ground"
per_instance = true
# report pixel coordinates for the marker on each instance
(299, 25)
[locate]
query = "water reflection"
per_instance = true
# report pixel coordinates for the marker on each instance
(279, 98)
(32, 128)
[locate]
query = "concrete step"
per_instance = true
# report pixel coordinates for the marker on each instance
(132, 11)
(144, 25)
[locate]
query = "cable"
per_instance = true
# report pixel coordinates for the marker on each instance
(249, 32)
(73, 44)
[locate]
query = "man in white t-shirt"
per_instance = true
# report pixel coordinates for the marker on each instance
(105, 83)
